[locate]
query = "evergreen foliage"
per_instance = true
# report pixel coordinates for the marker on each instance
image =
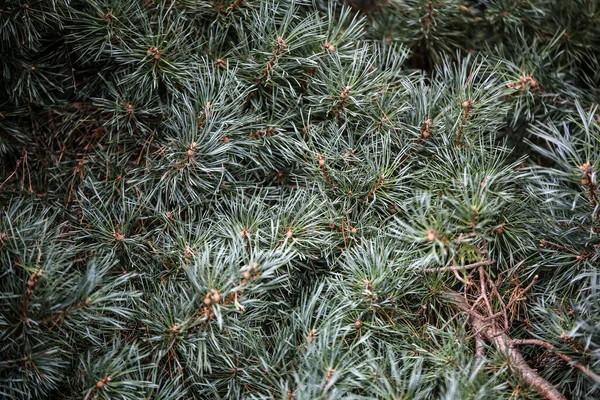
(299, 199)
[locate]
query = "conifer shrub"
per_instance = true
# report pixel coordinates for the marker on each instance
(299, 199)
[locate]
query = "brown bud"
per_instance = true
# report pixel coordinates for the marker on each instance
(221, 63)
(586, 168)
(321, 162)
(311, 335)
(118, 236)
(430, 235)
(288, 233)
(207, 300)
(425, 129)
(357, 324)
(344, 93)
(330, 372)
(154, 51)
(247, 275)
(190, 153)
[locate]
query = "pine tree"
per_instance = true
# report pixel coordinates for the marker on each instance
(299, 199)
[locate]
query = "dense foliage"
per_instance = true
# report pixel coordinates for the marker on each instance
(299, 199)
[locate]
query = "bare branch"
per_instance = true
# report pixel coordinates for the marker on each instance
(503, 343)
(459, 267)
(549, 346)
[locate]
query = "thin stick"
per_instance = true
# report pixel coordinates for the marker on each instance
(460, 278)
(460, 267)
(495, 291)
(484, 290)
(549, 346)
(479, 347)
(502, 342)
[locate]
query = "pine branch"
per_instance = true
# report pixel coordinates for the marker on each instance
(504, 344)
(569, 360)
(460, 267)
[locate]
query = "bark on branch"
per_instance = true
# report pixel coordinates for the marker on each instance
(566, 358)
(460, 267)
(505, 345)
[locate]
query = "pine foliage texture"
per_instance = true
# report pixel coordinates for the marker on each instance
(299, 199)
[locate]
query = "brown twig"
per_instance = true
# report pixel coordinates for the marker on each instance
(549, 245)
(339, 107)
(512, 301)
(486, 326)
(234, 5)
(460, 267)
(18, 164)
(569, 360)
(377, 186)
(467, 105)
(587, 172)
(504, 344)
(324, 169)
(460, 278)
(482, 282)
(25, 166)
(31, 285)
(277, 52)
(344, 234)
